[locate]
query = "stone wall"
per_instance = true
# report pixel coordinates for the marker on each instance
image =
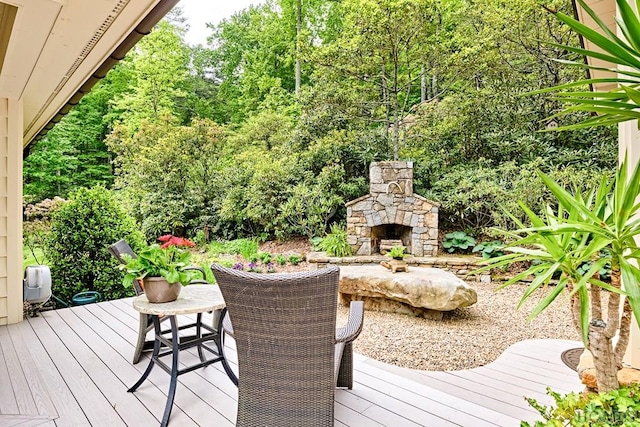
(391, 202)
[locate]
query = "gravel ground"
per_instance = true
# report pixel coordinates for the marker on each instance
(466, 338)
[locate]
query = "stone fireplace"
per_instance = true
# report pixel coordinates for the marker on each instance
(391, 211)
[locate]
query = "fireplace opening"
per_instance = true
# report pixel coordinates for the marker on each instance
(398, 232)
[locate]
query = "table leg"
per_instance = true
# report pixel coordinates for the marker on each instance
(199, 335)
(175, 341)
(156, 350)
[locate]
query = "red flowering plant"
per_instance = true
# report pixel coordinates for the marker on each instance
(167, 260)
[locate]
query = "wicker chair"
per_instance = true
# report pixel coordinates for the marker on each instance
(285, 331)
(121, 247)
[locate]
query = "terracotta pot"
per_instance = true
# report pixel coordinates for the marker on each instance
(157, 289)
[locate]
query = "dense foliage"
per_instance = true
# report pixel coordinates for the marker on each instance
(270, 128)
(76, 247)
(620, 407)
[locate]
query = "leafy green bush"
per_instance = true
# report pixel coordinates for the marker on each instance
(76, 247)
(335, 243)
(247, 248)
(295, 259)
(280, 259)
(479, 195)
(315, 243)
(36, 227)
(225, 262)
(265, 257)
(619, 407)
(458, 241)
(489, 249)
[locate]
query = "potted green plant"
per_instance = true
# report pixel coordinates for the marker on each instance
(397, 252)
(161, 269)
(397, 263)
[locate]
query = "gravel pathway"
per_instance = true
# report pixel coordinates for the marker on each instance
(465, 338)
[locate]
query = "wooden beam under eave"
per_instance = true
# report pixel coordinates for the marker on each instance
(606, 11)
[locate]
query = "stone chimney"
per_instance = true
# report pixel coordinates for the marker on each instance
(392, 212)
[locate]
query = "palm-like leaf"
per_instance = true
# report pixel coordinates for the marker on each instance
(617, 105)
(582, 226)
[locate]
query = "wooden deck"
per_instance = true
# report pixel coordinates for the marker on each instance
(72, 367)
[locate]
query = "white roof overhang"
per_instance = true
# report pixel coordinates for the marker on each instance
(606, 12)
(56, 50)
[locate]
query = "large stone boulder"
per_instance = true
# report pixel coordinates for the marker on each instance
(425, 292)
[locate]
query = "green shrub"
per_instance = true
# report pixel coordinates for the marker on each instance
(619, 407)
(265, 257)
(335, 243)
(76, 247)
(35, 228)
(315, 243)
(295, 259)
(217, 247)
(225, 262)
(605, 271)
(200, 238)
(280, 259)
(479, 195)
(247, 248)
(489, 249)
(458, 241)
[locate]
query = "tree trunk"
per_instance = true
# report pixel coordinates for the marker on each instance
(423, 85)
(596, 301)
(384, 97)
(603, 358)
(575, 308)
(396, 109)
(434, 86)
(623, 333)
(298, 30)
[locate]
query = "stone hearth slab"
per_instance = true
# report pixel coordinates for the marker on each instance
(424, 292)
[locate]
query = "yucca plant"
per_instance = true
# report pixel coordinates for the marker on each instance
(619, 104)
(574, 233)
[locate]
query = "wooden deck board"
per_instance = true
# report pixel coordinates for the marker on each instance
(88, 395)
(153, 393)
(197, 408)
(23, 398)
(44, 405)
(447, 406)
(8, 402)
(68, 411)
(25, 421)
(73, 366)
(110, 372)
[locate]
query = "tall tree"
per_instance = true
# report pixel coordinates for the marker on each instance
(159, 70)
(380, 54)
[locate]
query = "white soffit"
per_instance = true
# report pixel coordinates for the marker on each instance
(7, 16)
(56, 45)
(606, 12)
